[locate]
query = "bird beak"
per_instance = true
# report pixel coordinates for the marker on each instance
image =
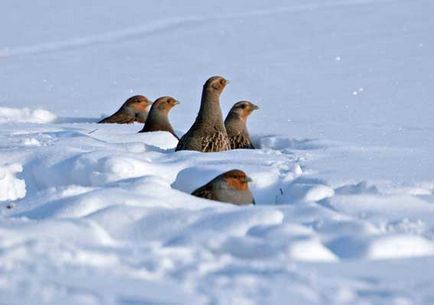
(177, 102)
(248, 179)
(255, 107)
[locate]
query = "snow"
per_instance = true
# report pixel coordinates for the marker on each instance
(100, 214)
(25, 115)
(11, 187)
(383, 247)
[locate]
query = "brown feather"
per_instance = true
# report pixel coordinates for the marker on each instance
(230, 187)
(158, 119)
(241, 142)
(208, 133)
(119, 118)
(235, 124)
(215, 142)
(204, 192)
(133, 110)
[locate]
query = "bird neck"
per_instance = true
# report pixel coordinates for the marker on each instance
(236, 116)
(158, 119)
(126, 109)
(235, 121)
(210, 112)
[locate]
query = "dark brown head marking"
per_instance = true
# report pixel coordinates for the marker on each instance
(216, 83)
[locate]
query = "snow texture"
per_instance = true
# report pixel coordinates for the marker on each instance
(25, 115)
(342, 177)
(11, 188)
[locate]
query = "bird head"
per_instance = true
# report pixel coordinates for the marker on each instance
(138, 103)
(215, 84)
(236, 179)
(244, 109)
(165, 103)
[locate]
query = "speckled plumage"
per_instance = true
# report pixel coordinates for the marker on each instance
(230, 187)
(208, 133)
(158, 119)
(135, 109)
(241, 141)
(235, 124)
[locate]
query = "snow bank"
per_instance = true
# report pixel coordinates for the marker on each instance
(297, 241)
(382, 247)
(11, 187)
(303, 189)
(25, 115)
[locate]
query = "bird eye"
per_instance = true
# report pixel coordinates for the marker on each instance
(243, 106)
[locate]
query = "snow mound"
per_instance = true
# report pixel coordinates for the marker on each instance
(305, 189)
(309, 249)
(392, 246)
(72, 230)
(25, 115)
(11, 187)
(282, 142)
(298, 242)
(161, 139)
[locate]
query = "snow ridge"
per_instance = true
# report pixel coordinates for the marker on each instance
(25, 115)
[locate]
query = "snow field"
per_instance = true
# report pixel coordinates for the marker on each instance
(114, 195)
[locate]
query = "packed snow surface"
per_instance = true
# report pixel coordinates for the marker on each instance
(342, 177)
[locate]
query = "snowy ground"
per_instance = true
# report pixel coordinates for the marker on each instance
(98, 214)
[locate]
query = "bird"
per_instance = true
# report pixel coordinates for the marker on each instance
(135, 109)
(235, 124)
(208, 132)
(158, 119)
(230, 187)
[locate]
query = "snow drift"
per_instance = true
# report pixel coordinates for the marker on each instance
(25, 115)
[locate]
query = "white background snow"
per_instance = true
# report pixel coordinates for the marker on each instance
(93, 214)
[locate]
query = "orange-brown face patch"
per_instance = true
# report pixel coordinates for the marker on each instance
(236, 179)
(244, 109)
(165, 103)
(138, 103)
(237, 184)
(141, 106)
(172, 102)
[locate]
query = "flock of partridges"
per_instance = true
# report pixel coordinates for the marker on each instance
(209, 133)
